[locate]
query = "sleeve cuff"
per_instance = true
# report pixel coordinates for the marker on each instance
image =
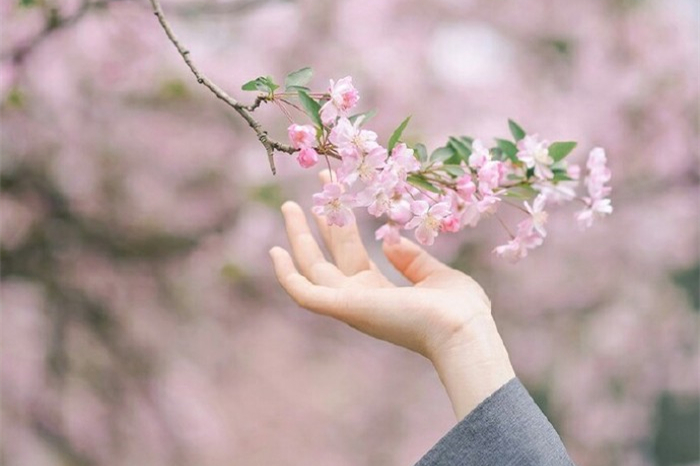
(507, 428)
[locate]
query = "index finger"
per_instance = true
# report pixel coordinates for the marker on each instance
(344, 243)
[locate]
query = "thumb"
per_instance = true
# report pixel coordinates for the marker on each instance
(412, 261)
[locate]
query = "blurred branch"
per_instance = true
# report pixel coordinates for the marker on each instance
(52, 435)
(66, 224)
(243, 110)
(221, 8)
(54, 22)
(39, 259)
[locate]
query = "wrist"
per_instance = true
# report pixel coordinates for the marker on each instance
(472, 364)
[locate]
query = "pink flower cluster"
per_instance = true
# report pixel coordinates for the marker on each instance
(454, 187)
(597, 202)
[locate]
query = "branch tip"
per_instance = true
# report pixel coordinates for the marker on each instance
(243, 110)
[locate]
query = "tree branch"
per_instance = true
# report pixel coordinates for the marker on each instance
(243, 110)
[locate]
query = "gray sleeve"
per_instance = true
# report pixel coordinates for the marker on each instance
(507, 428)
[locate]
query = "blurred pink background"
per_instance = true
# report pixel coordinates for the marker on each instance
(141, 322)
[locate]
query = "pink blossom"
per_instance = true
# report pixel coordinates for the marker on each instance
(538, 216)
(389, 232)
(458, 204)
(597, 205)
(377, 197)
(451, 224)
(480, 154)
(334, 204)
(489, 176)
(428, 220)
(483, 207)
(301, 136)
(466, 187)
(402, 161)
(535, 153)
(515, 170)
(365, 167)
(343, 97)
(518, 247)
(598, 174)
(557, 192)
(400, 210)
(351, 140)
(488, 204)
(596, 209)
(512, 251)
(596, 158)
(307, 157)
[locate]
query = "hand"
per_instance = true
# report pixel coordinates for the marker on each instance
(445, 315)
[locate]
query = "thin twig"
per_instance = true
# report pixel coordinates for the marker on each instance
(516, 206)
(285, 111)
(243, 110)
(503, 224)
(258, 100)
(291, 105)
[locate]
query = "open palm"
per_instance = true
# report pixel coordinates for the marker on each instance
(425, 317)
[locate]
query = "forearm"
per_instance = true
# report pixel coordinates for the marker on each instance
(473, 365)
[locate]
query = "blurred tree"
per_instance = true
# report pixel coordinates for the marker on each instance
(138, 321)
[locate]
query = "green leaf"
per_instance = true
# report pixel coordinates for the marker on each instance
(497, 154)
(27, 3)
(396, 135)
(298, 78)
(367, 116)
(454, 170)
(467, 141)
(521, 192)
(312, 108)
(560, 175)
(269, 82)
(420, 182)
(509, 149)
(251, 85)
(420, 152)
(515, 129)
(441, 154)
(559, 150)
(460, 147)
(297, 89)
(261, 84)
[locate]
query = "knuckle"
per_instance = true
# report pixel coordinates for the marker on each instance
(415, 263)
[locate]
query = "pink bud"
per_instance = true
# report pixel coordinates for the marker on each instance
(307, 158)
(301, 136)
(451, 224)
(466, 187)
